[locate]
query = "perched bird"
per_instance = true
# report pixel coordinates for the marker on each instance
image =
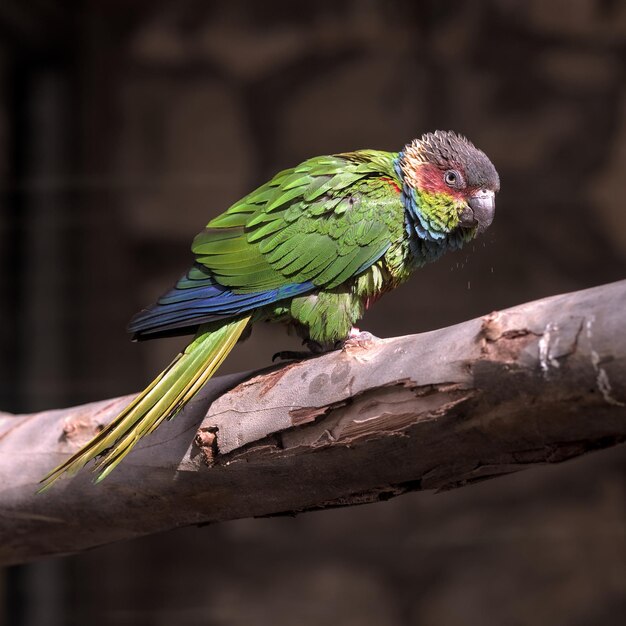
(312, 248)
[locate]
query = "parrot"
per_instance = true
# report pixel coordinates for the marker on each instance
(312, 248)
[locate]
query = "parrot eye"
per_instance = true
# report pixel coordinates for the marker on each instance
(453, 179)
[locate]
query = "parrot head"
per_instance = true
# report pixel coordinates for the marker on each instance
(450, 186)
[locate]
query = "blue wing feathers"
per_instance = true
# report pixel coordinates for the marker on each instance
(196, 300)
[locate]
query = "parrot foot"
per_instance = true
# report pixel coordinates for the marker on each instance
(356, 338)
(359, 338)
(314, 349)
(291, 355)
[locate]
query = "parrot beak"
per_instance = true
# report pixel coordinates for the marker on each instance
(480, 210)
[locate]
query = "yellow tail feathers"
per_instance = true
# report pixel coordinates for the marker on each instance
(162, 399)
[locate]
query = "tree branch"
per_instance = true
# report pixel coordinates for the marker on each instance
(538, 383)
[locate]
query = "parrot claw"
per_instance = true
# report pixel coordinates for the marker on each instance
(356, 338)
(359, 338)
(314, 349)
(291, 355)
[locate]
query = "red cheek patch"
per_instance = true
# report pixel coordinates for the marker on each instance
(430, 179)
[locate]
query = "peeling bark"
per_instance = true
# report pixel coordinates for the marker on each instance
(539, 383)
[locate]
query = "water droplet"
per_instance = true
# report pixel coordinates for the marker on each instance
(468, 284)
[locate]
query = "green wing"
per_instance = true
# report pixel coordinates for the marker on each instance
(321, 222)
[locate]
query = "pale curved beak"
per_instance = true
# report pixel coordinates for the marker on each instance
(480, 211)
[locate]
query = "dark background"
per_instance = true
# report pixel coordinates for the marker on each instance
(126, 125)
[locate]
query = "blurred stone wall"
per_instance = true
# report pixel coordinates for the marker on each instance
(132, 124)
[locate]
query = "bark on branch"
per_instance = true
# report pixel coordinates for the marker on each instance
(542, 382)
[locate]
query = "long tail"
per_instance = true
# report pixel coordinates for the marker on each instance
(161, 400)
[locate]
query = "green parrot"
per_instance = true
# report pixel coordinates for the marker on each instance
(312, 248)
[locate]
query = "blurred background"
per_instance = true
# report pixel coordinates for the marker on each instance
(126, 125)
